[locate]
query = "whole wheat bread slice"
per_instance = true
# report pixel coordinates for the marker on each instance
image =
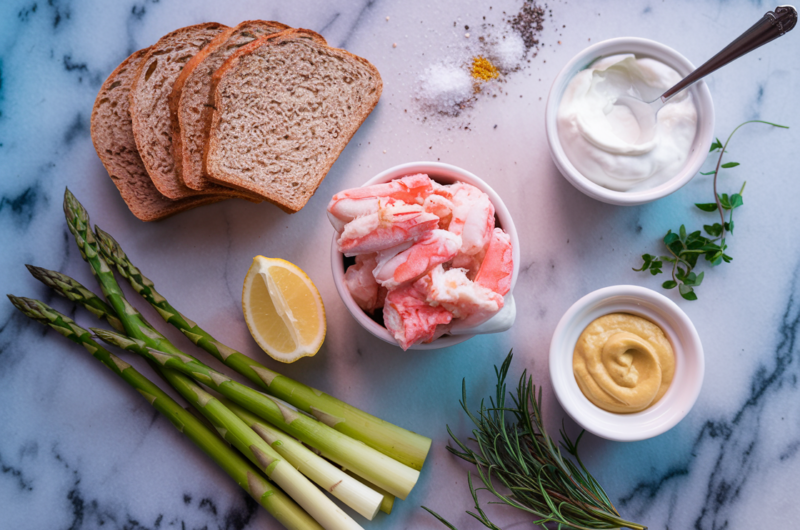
(149, 106)
(285, 107)
(112, 135)
(191, 100)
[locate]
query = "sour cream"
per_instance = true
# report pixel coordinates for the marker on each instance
(602, 140)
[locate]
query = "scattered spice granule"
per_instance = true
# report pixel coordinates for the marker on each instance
(483, 69)
(466, 35)
(528, 23)
(394, 45)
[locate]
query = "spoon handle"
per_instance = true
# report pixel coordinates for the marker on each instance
(771, 26)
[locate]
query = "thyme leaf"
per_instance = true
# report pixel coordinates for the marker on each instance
(684, 249)
(522, 467)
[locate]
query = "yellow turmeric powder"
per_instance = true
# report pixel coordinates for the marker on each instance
(483, 69)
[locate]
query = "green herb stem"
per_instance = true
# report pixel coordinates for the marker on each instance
(685, 248)
(515, 451)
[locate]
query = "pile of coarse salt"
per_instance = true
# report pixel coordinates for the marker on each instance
(445, 88)
(508, 52)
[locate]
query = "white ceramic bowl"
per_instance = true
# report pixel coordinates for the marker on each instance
(641, 48)
(444, 174)
(689, 363)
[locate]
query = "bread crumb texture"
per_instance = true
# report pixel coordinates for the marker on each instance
(285, 113)
(196, 99)
(112, 135)
(150, 112)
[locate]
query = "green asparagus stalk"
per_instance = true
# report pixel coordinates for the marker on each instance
(377, 468)
(400, 444)
(387, 473)
(80, 294)
(272, 499)
(305, 493)
(261, 453)
(344, 487)
(74, 291)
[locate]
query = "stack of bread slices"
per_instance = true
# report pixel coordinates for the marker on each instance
(260, 111)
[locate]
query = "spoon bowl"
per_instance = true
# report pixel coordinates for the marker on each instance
(645, 114)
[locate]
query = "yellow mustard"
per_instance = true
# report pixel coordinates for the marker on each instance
(623, 363)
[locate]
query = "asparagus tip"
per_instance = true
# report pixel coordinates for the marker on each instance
(37, 272)
(73, 207)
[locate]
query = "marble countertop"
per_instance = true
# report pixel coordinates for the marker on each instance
(81, 450)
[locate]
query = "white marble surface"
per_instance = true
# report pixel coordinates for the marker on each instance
(80, 450)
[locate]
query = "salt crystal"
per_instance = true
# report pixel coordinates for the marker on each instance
(443, 87)
(507, 53)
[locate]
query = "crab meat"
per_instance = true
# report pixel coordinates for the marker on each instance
(441, 330)
(441, 207)
(473, 217)
(386, 228)
(407, 263)
(358, 202)
(361, 283)
(455, 292)
(409, 318)
(471, 264)
(498, 264)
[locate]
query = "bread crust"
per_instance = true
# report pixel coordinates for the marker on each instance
(120, 156)
(218, 174)
(191, 176)
(166, 179)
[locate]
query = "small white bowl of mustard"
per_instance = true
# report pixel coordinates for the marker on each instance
(686, 373)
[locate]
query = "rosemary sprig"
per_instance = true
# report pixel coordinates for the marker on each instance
(686, 247)
(521, 459)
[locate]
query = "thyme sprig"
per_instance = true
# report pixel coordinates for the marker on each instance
(524, 468)
(685, 248)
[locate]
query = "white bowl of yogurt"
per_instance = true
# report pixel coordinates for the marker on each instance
(443, 174)
(596, 144)
(687, 370)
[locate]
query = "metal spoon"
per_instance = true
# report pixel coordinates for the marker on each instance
(771, 26)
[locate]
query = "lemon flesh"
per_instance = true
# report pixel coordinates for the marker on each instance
(283, 309)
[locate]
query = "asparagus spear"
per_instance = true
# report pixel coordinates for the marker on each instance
(388, 499)
(291, 481)
(344, 487)
(398, 443)
(266, 494)
(74, 291)
(387, 473)
(356, 497)
(261, 453)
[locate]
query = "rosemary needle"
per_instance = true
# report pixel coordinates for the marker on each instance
(519, 457)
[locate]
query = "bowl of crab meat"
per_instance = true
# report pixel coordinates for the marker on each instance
(425, 255)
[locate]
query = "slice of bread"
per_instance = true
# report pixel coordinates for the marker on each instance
(149, 107)
(285, 107)
(191, 100)
(112, 135)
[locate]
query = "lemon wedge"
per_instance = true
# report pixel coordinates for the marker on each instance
(283, 309)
